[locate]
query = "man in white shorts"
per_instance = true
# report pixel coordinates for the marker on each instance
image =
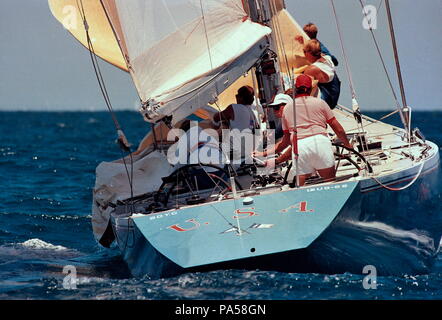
(312, 117)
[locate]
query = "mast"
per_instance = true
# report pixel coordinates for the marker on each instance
(261, 11)
(404, 112)
(269, 82)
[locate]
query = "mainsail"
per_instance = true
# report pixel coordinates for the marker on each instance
(182, 54)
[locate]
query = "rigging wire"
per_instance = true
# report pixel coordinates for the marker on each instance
(380, 5)
(230, 170)
(381, 57)
(404, 187)
(223, 143)
(406, 122)
(206, 34)
(396, 55)
(121, 138)
(95, 65)
(373, 120)
(407, 125)
(347, 64)
(355, 106)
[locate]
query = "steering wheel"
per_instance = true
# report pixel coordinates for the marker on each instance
(340, 157)
(347, 157)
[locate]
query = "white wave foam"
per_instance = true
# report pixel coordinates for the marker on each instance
(41, 245)
(35, 249)
(420, 238)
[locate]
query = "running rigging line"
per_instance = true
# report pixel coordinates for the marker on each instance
(206, 34)
(122, 141)
(347, 64)
(95, 65)
(279, 35)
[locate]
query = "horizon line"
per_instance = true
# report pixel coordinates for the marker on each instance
(125, 109)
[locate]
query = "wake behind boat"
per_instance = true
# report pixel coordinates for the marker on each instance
(171, 219)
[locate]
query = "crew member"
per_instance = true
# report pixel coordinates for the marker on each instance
(243, 118)
(323, 70)
(312, 31)
(312, 142)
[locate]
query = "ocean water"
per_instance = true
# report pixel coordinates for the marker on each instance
(47, 166)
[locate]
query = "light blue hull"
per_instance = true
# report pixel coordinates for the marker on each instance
(337, 228)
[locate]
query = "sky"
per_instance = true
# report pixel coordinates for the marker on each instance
(43, 68)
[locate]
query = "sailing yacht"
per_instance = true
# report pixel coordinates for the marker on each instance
(187, 58)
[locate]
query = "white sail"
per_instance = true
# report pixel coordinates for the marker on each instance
(177, 48)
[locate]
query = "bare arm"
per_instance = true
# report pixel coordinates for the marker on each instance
(225, 115)
(316, 74)
(278, 147)
(340, 132)
(281, 145)
(286, 155)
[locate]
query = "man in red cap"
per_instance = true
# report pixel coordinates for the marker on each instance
(310, 136)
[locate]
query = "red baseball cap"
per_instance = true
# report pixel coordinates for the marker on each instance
(303, 81)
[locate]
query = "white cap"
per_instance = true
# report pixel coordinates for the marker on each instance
(280, 99)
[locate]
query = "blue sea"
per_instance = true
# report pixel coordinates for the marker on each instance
(47, 169)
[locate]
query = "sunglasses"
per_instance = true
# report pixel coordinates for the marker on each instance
(276, 108)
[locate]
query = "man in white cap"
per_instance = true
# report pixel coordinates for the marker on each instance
(312, 117)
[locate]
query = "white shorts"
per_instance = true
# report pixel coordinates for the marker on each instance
(315, 153)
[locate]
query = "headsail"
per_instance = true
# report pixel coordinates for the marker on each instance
(290, 52)
(67, 12)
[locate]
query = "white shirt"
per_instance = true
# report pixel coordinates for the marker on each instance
(242, 142)
(327, 67)
(197, 146)
(244, 117)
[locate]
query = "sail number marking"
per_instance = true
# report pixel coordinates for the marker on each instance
(244, 213)
(301, 208)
